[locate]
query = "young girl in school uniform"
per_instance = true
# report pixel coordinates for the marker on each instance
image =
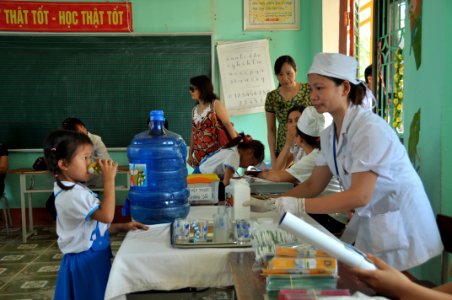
(83, 221)
(241, 151)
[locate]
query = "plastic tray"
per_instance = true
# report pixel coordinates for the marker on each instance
(209, 244)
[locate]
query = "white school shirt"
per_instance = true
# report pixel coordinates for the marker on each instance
(218, 161)
(99, 152)
(303, 168)
(74, 223)
(398, 224)
(297, 152)
(99, 149)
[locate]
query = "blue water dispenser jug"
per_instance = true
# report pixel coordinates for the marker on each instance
(158, 174)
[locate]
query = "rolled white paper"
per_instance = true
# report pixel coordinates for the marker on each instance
(345, 253)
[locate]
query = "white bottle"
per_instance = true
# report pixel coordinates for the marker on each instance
(237, 192)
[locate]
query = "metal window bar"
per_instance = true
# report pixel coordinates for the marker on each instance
(391, 27)
(355, 25)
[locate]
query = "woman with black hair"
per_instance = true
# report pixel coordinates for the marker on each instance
(208, 117)
(279, 101)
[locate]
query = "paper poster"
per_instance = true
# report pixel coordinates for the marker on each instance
(271, 15)
(245, 75)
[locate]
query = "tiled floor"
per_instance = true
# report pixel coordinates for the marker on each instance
(29, 271)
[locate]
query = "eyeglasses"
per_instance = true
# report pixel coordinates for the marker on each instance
(192, 89)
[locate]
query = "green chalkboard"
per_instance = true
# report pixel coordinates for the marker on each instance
(109, 82)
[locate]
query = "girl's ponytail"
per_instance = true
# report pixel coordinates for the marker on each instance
(245, 141)
(235, 141)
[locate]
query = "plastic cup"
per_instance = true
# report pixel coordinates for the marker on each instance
(221, 228)
(181, 230)
(242, 231)
(200, 230)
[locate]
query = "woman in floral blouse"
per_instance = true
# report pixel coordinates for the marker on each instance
(278, 103)
(207, 116)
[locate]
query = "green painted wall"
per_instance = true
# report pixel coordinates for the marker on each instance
(445, 174)
(428, 88)
(224, 18)
(445, 98)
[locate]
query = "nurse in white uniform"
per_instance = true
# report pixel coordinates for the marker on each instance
(392, 215)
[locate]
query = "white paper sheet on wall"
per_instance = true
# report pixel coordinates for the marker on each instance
(245, 75)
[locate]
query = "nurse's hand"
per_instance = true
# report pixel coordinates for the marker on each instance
(290, 204)
(260, 205)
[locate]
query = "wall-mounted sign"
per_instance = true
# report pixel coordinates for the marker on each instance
(65, 16)
(271, 15)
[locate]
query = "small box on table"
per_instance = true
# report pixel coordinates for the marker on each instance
(203, 188)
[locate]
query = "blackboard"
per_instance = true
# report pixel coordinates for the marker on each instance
(110, 82)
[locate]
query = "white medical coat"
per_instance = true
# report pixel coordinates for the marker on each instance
(398, 224)
(218, 161)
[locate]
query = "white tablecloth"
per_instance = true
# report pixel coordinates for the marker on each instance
(146, 261)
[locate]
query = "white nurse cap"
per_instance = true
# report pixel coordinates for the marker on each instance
(335, 65)
(312, 123)
(343, 67)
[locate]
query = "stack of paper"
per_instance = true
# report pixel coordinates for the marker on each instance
(300, 281)
(300, 266)
(311, 294)
(300, 259)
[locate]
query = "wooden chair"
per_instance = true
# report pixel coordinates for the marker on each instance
(445, 230)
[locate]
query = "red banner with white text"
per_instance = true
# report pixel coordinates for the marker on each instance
(65, 16)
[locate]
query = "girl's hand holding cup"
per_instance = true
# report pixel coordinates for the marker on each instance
(108, 168)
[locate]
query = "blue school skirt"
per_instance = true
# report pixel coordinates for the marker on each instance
(84, 275)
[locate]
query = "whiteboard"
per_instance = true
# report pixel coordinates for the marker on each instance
(245, 75)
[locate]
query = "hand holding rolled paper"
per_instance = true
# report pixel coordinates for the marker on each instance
(334, 247)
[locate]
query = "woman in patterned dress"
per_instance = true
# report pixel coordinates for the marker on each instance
(288, 94)
(206, 118)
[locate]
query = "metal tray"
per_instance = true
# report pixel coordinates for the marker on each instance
(209, 244)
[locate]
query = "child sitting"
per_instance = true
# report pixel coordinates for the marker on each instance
(241, 151)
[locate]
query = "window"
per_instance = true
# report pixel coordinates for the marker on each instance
(349, 27)
(390, 62)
